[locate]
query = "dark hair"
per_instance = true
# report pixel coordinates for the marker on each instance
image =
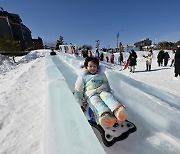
(93, 59)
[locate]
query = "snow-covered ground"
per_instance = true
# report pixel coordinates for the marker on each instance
(22, 88)
(22, 105)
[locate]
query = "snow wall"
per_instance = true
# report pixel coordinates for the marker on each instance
(142, 100)
(66, 128)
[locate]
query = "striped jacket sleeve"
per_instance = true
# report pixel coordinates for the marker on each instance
(79, 88)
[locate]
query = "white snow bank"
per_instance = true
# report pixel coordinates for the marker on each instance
(66, 129)
(32, 56)
(22, 109)
(7, 63)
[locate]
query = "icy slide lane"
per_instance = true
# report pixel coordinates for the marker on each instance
(157, 121)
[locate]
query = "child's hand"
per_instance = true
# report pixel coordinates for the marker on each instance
(83, 108)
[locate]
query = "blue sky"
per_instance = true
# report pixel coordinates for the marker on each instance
(85, 21)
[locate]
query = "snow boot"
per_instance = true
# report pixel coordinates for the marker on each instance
(120, 113)
(107, 120)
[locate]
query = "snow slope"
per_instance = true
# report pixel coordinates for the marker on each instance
(22, 108)
(22, 88)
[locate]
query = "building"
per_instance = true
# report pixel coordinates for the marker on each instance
(142, 43)
(11, 27)
(37, 43)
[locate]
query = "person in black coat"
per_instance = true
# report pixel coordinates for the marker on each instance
(166, 58)
(160, 57)
(120, 58)
(177, 64)
(132, 60)
(101, 57)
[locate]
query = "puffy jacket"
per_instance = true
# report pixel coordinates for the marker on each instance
(149, 58)
(87, 84)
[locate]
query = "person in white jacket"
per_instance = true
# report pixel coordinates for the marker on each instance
(149, 58)
(172, 57)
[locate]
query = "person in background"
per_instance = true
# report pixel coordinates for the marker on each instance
(112, 58)
(93, 86)
(96, 54)
(172, 57)
(76, 50)
(149, 58)
(160, 57)
(177, 64)
(101, 57)
(73, 49)
(166, 58)
(89, 53)
(132, 60)
(107, 58)
(84, 53)
(120, 58)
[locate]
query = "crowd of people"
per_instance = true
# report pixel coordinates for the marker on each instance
(100, 55)
(163, 58)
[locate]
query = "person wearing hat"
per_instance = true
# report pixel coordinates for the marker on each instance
(177, 64)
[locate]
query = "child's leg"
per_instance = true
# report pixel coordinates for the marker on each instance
(146, 67)
(149, 67)
(133, 69)
(117, 108)
(130, 68)
(98, 104)
(109, 100)
(106, 119)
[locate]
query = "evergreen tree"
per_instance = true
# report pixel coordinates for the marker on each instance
(10, 47)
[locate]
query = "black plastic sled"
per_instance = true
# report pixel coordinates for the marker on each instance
(111, 135)
(52, 53)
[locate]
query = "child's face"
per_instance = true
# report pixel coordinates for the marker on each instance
(92, 67)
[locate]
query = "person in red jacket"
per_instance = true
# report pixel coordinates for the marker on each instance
(112, 58)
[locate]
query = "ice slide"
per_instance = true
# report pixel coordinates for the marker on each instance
(157, 120)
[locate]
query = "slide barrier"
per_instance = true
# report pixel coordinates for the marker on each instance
(66, 128)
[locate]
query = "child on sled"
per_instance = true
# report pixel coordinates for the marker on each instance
(92, 85)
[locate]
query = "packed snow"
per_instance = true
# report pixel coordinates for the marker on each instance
(22, 103)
